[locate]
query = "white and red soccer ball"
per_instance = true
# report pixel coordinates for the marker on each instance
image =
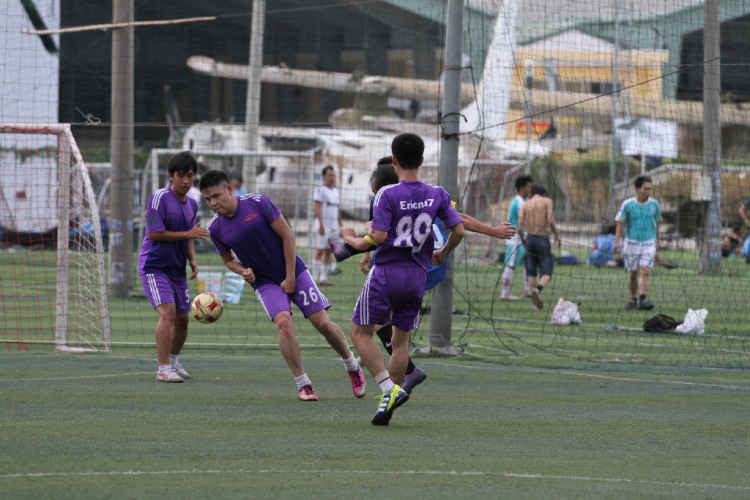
(207, 307)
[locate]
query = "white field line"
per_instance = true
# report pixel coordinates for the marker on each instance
(676, 382)
(75, 378)
(373, 472)
(578, 374)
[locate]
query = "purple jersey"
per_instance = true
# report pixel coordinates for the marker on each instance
(166, 212)
(250, 235)
(406, 211)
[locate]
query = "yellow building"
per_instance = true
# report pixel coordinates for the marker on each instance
(574, 62)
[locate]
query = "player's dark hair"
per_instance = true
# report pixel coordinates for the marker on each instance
(610, 229)
(386, 160)
(383, 175)
(408, 150)
(538, 190)
(326, 169)
(238, 178)
(182, 163)
(523, 181)
(213, 178)
(641, 180)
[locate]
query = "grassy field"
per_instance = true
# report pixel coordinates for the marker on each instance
(98, 426)
(484, 326)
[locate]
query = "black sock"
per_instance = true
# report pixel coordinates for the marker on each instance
(540, 288)
(354, 251)
(634, 299)
(385, 335)
(642, 297)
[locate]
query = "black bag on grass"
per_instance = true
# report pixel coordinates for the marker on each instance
(661, 323)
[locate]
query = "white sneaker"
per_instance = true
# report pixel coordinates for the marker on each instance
(510, 296)
(181, 371)
(169, 376)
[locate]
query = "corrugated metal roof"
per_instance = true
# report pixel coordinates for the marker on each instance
(587, 9)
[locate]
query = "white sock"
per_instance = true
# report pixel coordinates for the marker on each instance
(526, 287)
(316, 269)
(351, 363)
(173, 359)
(384, 381)
(507, 280)
(163, 368)
(302, 381)
(323, 272)
(332, 266)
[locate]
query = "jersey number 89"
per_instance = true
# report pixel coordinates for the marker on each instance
(413, 232)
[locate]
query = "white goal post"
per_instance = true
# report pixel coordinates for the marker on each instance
(51, 251)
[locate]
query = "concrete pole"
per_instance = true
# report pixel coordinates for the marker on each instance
(121, 150)
(529, 84)
(611, 208)
(711, 245)
(442, 298)
(252, 108)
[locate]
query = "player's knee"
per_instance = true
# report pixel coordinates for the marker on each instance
(321, 321)
(358, 333)
(166, 312)
(284, 323)
(324, 325)
(181, 320)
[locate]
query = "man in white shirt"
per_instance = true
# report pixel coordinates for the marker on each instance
(328, 216)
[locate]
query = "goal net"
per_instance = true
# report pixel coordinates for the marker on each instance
(52, 276)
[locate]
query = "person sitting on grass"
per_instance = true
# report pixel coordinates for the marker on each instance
(603, 249)
(731, 243)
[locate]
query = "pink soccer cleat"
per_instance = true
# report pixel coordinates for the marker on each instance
(307, 393)
(359, 384)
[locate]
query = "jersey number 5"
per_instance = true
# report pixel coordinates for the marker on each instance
(413, 232)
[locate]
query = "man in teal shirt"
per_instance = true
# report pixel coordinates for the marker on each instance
(514, 251)
(638, 226)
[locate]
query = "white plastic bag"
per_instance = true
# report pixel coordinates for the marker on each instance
(694, 322)
(565, 313)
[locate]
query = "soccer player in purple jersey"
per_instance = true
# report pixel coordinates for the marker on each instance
(403, 215)
(255, 241)
(171, 227)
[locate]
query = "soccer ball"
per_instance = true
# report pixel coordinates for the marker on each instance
(207, 307)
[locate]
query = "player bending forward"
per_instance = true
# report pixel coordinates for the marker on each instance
(403, 215)
(171, 227)
(255, 241)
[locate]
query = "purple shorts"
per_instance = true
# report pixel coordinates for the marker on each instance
(391, 293)
(307, 297)
(162, 290)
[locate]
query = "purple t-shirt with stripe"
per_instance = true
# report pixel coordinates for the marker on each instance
(166, 212)
(406, 211)
(249, 233)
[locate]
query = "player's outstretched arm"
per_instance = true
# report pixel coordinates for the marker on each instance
(457, 234)
(359, 245)
(194, 232)
(504, 231)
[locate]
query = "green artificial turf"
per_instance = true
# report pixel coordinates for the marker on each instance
(483, 326)
(99, 426)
